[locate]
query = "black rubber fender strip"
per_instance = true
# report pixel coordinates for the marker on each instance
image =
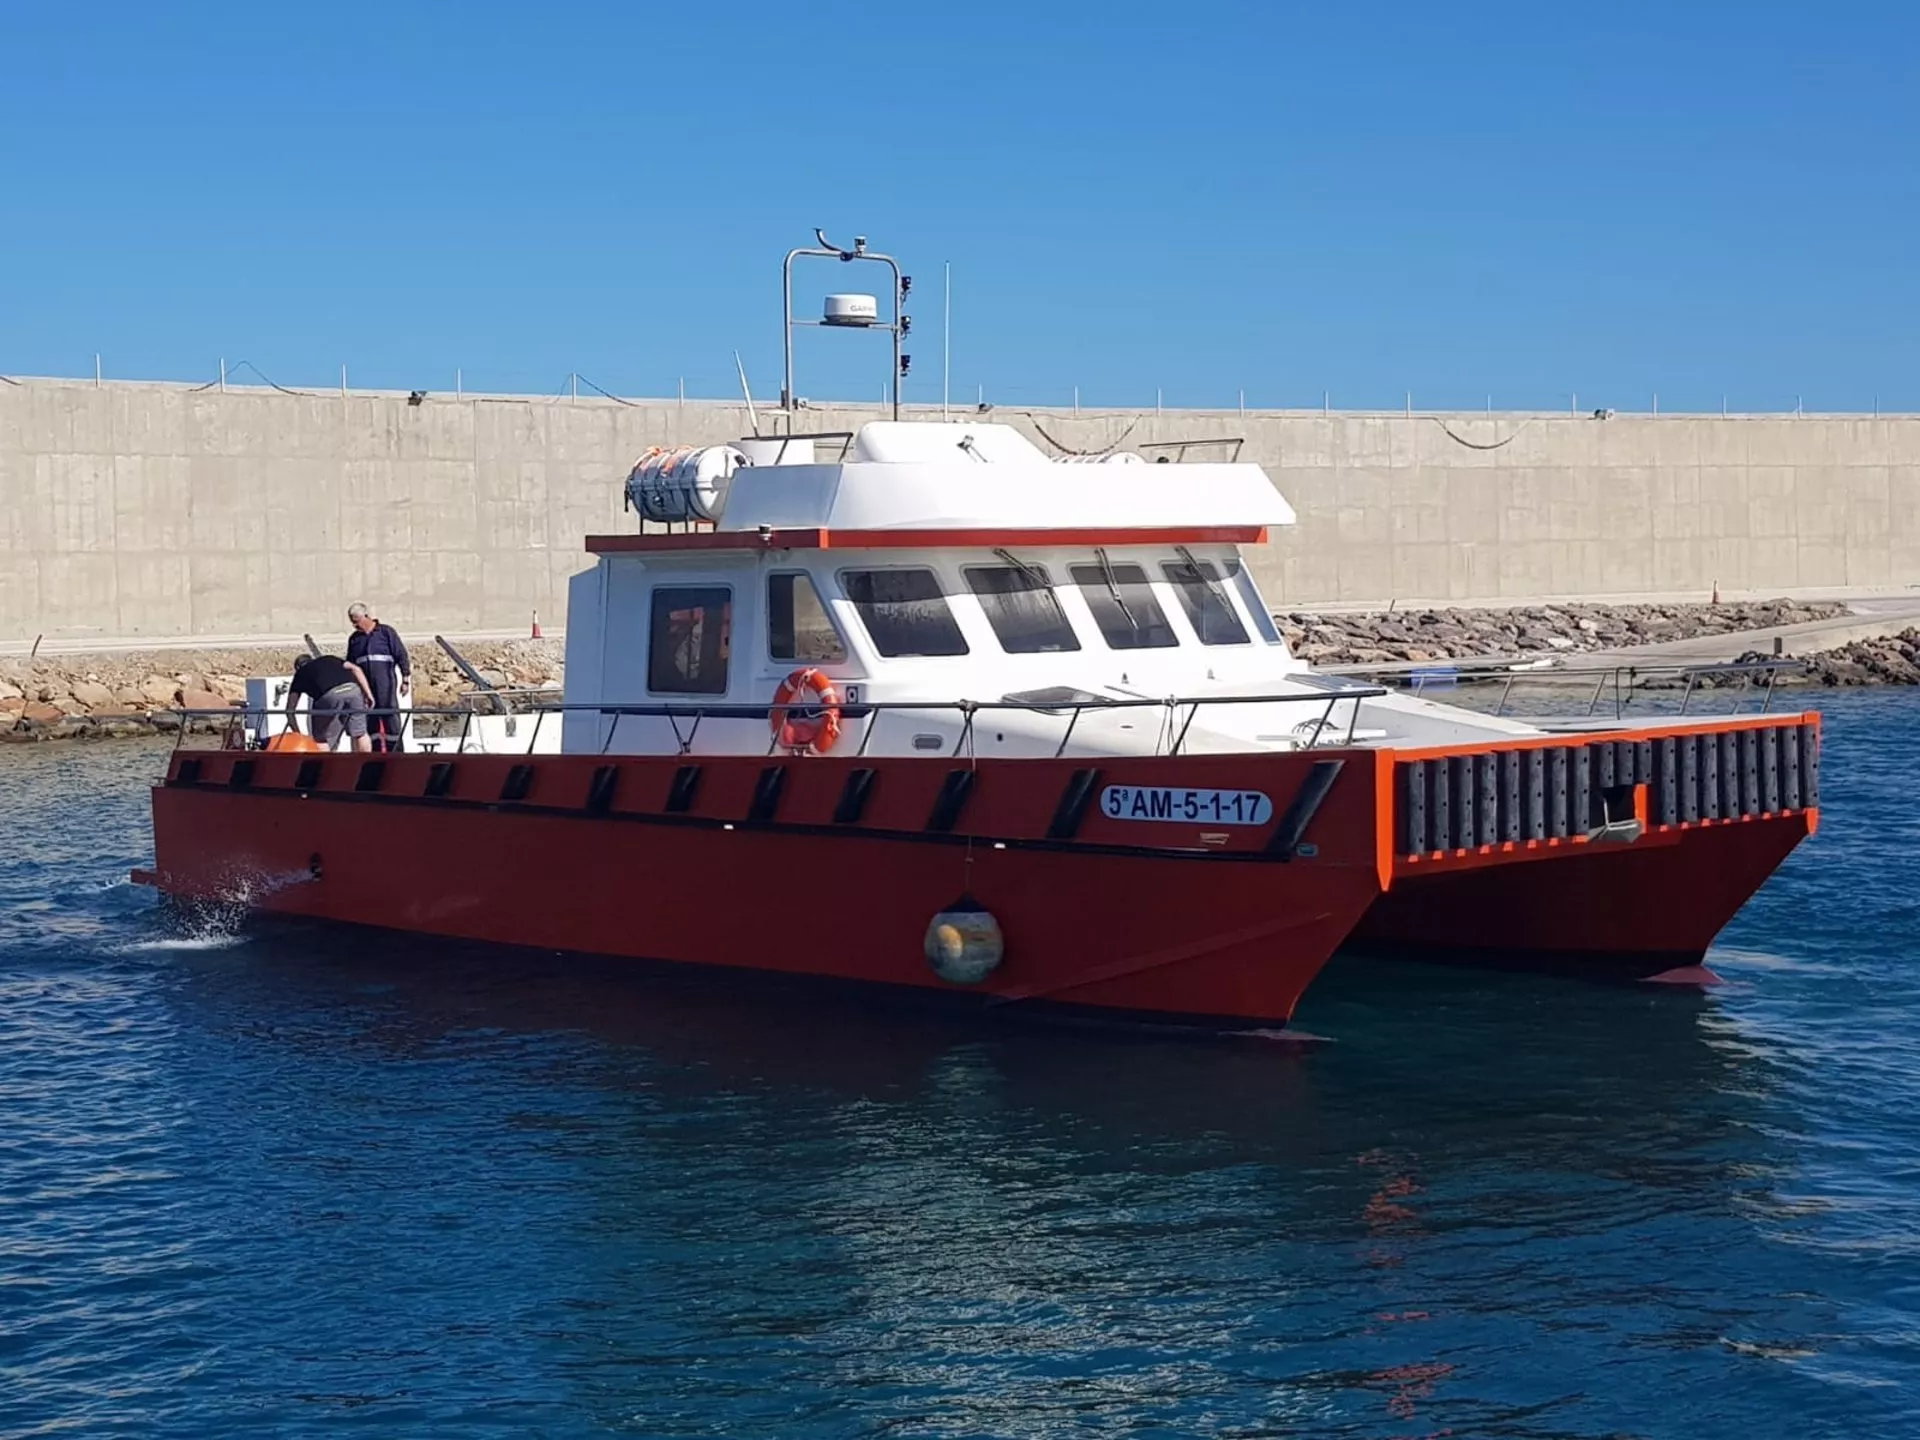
(1072, 809)
(1284, 843)
(766, 794)
(952, 799)
(854, 796)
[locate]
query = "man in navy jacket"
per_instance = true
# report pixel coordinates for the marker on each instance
(378, 650)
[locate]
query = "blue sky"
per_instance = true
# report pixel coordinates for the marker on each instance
(1520, 200)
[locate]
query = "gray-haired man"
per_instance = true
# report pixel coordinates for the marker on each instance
(379, 650)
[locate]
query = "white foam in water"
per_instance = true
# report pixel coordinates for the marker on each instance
(180, 943)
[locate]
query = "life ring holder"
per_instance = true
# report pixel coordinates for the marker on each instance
(800, 726)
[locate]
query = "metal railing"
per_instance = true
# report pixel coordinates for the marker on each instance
(1176, 727)
(1623, 680)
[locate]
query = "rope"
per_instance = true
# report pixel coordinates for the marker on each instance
(608, 393)
(1115, 444)
(1475, 444)
(272, 384)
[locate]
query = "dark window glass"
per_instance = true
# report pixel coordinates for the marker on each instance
(1123, 607)
(904, 612)
(1208, 609)
(798, 627)
(1250, 597)
(688, 640)
(1022, 608)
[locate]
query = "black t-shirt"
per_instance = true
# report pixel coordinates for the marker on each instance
(316, 675)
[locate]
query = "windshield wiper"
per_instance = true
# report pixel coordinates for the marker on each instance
(1035, 575)
(1113, 588)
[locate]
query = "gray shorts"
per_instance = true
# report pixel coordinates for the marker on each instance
(341, 708)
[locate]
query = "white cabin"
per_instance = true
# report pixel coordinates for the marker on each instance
(1092, 608)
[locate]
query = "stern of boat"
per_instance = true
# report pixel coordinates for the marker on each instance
(1619, 855)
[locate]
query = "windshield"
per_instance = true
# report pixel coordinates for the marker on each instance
(904, 612)
(1123, 606)
(1020, 605)
(1209, 611)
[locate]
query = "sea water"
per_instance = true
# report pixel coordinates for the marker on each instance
(300, 1182)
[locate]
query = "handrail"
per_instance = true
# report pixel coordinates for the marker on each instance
(1634, 673)
(238, 713)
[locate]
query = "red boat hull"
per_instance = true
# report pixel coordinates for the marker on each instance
(1633, 912)
(834, 867)
(1161, 925)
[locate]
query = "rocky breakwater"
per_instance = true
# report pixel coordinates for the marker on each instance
(1888, 660)
(136, 692)
(1417, 636)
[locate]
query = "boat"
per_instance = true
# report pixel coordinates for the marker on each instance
(920, 709)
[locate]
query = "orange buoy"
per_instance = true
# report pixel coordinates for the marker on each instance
(293, 742)
(811, 727)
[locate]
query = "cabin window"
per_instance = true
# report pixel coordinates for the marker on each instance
(1256, 605)
(1020, 605)
(688, 640)
(904, 612)
(798, 626)
(1124, 606)
(1209, 611)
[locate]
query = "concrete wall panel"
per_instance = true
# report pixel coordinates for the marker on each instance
(162, 510)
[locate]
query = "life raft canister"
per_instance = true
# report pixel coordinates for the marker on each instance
(813, 726)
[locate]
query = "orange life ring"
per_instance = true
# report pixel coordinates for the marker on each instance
(813, 727)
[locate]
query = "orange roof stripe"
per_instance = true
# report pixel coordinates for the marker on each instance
(949, 539)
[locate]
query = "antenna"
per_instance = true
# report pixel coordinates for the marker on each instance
(847, 312)
(752, 414)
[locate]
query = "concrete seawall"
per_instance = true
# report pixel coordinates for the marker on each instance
(145, 510)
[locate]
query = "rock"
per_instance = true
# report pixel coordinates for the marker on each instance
(39, 712)
(202, 700)
(92, 694)
(11, 691)
(159, 690)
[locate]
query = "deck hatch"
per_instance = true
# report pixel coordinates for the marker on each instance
(372, 773)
